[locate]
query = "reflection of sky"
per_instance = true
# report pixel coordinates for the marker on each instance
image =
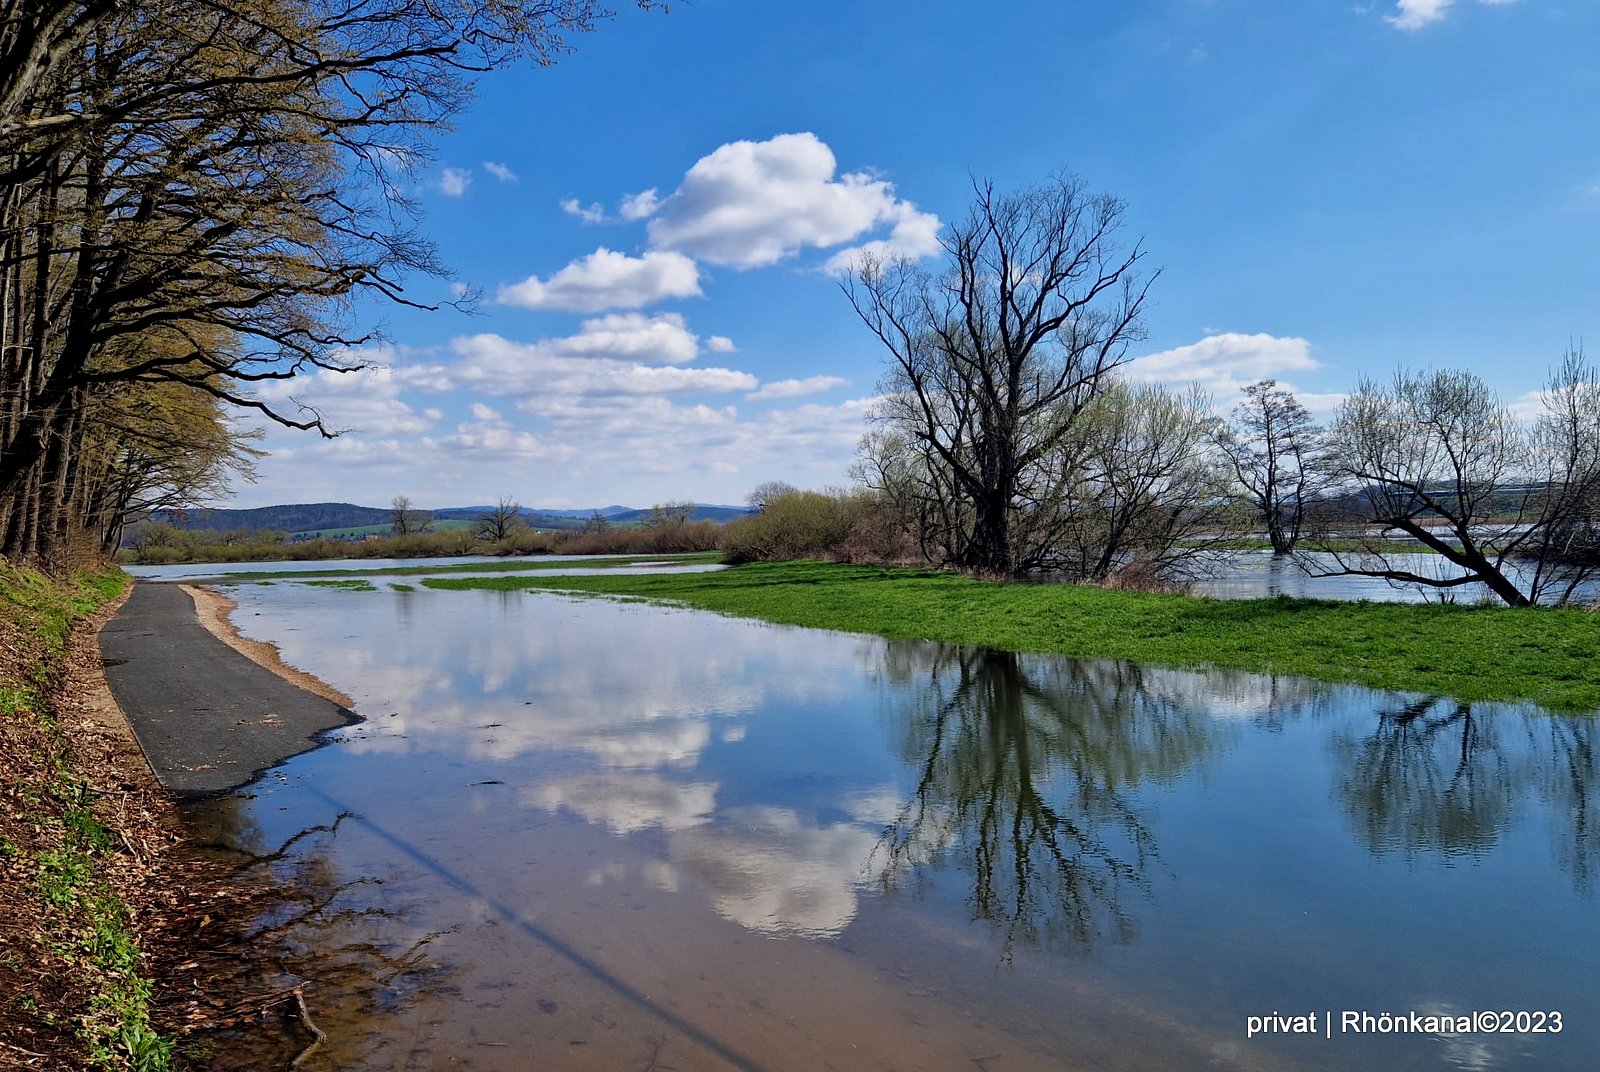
(753, 768)
(644, 721)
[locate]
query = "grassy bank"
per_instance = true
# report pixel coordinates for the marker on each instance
(1551, 657)
(71, 990)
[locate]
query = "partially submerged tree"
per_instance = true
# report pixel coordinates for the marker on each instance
(1438, 458)
(992, 361)
(1275, 449)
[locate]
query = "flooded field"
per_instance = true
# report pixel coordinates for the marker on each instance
(590, 834)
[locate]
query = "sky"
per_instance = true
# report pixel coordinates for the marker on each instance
(656, 228)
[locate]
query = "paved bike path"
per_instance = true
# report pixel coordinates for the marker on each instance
(209, 719)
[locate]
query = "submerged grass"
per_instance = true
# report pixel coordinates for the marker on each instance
(1544, 655)
(491, 565)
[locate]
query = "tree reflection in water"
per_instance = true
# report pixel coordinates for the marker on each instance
(305, 963)
(1434, 776)
(1026, 770)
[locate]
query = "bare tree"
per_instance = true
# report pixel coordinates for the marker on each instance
(405, 520)
(993, 360)
(500, 522)
(1510, 504)
(1141, 489)
(1274, 449)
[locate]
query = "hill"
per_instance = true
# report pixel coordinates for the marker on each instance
(306, 518)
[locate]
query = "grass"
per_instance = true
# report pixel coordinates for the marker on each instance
(1547, 656)
(82, 924)
(490, 565)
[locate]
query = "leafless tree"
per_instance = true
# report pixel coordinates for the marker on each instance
(405, 520)
(501, 521)
(1140, 487)
(992, 361)
(1275, 449)
(1511, 504)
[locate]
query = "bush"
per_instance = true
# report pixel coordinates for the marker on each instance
(852, 526)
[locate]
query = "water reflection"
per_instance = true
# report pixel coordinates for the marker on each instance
(1429, 777)
(670, 825)
(309, 937)
(1026, 772)
(1434, 777)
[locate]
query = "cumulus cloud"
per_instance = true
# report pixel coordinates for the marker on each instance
(453, 182)
(591, 213)
(608, 280)
(751, 203)
(811, 385)
(367, 400)
(720, 344)
(915, 234)
(500, 171)
(614, 356)
(1224, 363)
(1415, 14)
(639, 206)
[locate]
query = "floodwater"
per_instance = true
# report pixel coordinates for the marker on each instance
(591, 834)
(1262, 575)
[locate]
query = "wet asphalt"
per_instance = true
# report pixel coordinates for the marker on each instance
(209, 719)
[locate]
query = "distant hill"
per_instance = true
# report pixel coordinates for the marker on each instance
(299, 518)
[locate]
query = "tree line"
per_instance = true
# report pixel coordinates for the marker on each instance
(194, 194)
(1009, 443)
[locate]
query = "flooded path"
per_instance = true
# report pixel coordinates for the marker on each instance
(588, 834)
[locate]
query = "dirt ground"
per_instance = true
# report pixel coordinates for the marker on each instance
(189, 907)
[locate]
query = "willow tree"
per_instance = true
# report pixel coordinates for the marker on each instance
(992, 360)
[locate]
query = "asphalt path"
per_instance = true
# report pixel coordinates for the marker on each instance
(209, 719)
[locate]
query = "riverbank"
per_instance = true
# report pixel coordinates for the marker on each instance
(1542, 655)
(88, 842)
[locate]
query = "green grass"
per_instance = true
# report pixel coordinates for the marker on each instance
(1548, 656)
(484, 565)
(351, 584)
(114, 1027)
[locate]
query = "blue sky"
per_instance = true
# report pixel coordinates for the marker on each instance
(657, 223)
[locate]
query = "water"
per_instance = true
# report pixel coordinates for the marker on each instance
(587, 834)
(415, 567)
(1261, 575)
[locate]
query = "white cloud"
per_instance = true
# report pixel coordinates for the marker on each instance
(365, 401)
(1415, 14)
(794, 388)
(453, 182)
(612, 357)
(663, 338)
(639, 206)
(720, 344)
(500, 171)
(915, 234)
(607, 280)
(591, 213)
(754, 203)
(1224, 363)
